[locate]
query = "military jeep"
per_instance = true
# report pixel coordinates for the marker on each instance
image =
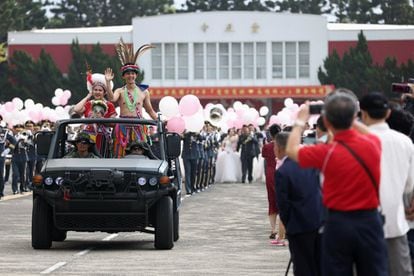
(108, 194)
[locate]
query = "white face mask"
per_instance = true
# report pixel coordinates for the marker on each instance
(323, 138)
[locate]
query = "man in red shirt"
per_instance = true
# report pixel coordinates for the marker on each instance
(353, 231)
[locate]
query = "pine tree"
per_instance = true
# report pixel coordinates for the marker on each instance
(397, 12)
(355, 70)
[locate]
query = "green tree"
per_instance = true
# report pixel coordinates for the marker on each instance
(397, 12)
(231, 5)
(17, 15)
(303, 6)
(91, 13)
(355, 70)
(33, 79)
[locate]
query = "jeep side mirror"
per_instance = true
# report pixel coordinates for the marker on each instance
(173, 145)
(43, 140)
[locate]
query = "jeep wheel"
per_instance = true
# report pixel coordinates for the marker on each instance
(176, 225)
(164, 225)
(58, 235)
(41, 224)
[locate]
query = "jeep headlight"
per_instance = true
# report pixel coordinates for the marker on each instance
(142, 181)
(153, 181)
(48, 180)
(59, 180)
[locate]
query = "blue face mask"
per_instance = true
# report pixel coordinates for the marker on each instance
(323, 139)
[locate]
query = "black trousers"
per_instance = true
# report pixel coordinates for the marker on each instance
(247, 168)
(354, 238)
(305, 253)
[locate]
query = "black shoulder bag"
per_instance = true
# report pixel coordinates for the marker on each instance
(374, 183)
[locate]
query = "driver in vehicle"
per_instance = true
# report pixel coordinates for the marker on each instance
(84, 147)
(137, 150)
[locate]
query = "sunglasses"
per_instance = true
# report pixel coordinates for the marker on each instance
(83, 142)
(136, 148)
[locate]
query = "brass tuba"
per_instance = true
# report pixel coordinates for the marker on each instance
(216, 114)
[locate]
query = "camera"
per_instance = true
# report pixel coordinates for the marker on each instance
(315, 108)
(403, 87)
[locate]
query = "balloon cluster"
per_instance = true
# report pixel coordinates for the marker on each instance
(18, 112)
(61, 97)
(189, 115)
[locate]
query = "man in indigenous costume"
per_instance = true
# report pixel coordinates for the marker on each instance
(130, 98)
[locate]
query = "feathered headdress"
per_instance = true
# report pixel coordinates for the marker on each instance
(128, 58)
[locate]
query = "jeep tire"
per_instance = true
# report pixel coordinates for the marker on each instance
(58, 235)
(41, 224)
(164, 224)
(176, 218)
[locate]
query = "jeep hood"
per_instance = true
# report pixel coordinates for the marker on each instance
(82, 164)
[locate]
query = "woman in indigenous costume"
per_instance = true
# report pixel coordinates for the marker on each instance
(94, 107)
(131, 98)
(97, 89)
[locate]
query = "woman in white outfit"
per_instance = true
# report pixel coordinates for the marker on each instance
(228, 161)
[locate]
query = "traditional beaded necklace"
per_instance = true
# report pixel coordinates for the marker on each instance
(127, 97)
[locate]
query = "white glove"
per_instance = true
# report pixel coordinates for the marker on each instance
(5, 152)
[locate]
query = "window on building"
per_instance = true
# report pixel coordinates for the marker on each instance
(290, 56)
(198, 61)
(182, 61)
(277, 60)
(260, 60)
(211, 61)
(224, 61)
(169, 68)
(236, 61)
(304, 60)
(248, 58)
(156, 60)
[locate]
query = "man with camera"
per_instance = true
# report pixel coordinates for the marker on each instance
(397, 179)
(353, 233)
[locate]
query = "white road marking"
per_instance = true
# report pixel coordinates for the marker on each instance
(53, 268)
(83, 252)
(110, 237)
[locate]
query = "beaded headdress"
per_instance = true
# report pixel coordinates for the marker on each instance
(128, 58)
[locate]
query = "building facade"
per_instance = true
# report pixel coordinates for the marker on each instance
(227, 55)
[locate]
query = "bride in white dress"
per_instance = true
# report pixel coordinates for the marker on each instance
(228, 164)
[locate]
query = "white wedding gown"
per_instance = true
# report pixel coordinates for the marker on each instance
(228, 164)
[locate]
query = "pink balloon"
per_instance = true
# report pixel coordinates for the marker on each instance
(35, 116)
(238, 123)
(230, 124)
(176, 124)
(9, 106)
(67, 94)
(189, 105)
(63, 100)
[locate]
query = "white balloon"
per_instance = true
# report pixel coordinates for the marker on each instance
(264, 110)
(29, 103)
(55, 101)
(39, 106)
(288, 102)
(261, 121)
(169, 106)
(195, 122)
(58, 92)
(18, 103)
(237, 105)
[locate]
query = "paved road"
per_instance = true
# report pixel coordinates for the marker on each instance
(224, 231)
